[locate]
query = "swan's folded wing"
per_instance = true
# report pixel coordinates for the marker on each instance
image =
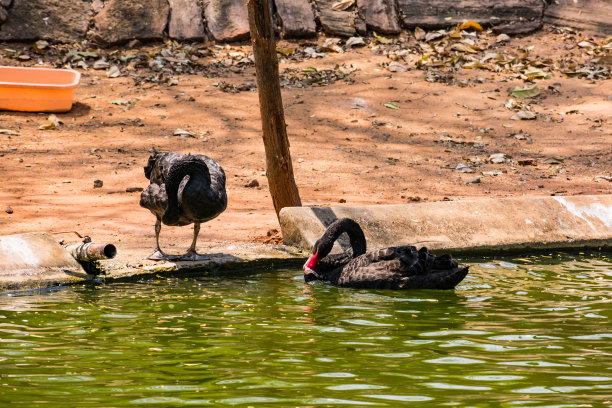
(398, 252)
(445, 279)
(154, 198)
(378, 275)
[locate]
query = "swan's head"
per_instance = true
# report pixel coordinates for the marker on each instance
(320, 250)
(311, 263)
(150, 164)
(310, 273)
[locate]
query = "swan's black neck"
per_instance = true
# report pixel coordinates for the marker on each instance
(333, 232)
(190, 166)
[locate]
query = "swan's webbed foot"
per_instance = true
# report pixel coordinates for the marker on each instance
(192, 255)
(159, 255)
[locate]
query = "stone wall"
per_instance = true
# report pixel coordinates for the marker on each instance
(118, 21)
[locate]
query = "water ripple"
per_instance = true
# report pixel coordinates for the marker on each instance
(533, 330)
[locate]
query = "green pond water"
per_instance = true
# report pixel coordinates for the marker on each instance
(533, 331)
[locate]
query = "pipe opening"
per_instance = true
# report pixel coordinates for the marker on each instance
(110, 251)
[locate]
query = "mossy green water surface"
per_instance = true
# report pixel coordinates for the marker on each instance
(534, 331)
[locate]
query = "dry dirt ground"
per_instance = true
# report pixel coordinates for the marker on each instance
(361, 135)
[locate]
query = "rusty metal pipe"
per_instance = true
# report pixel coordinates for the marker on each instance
(89, 251)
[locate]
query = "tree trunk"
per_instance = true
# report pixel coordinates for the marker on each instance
(278, 159)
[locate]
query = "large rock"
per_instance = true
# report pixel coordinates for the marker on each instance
(444, 13)
(54, 20)
(338, 21)
(297, 18)
(228, 20)
(591, 15)
(120, 21)
(186, 20)
(380, 15)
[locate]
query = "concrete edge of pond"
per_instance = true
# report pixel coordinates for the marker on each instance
(243, 258)
(465, 227)
(239, 259)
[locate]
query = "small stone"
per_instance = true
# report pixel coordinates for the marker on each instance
(473, 181)
(133, 189)
(8, 210)
(342, 200)
(98, 183)
(252, 183)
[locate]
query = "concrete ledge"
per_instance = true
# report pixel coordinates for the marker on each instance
(242, 257)
(36, 260)
(466, 226)
(54, 266)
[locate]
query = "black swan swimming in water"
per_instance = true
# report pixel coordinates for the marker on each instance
(184, 189)
(402, 267)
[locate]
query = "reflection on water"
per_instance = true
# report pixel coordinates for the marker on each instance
(520, 332)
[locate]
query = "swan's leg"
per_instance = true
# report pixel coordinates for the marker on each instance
(191, 254)
(158, 254)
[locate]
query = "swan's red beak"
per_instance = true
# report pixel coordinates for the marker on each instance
(311, 263)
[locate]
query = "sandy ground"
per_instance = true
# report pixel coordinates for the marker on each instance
(347, 147)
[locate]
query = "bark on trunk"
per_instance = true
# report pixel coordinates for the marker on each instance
(279, 169)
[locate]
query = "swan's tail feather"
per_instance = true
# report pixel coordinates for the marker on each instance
(447, 279)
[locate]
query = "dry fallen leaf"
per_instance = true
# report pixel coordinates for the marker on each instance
(473, 65)
(381, 39)
(286, 51)
(419, 34)
(182, 132)
(463, 48)
(113, 72)
(462, 168)
(342, 5)
(53, 122)
(39, 46)
(497, 158)
(470, 25)
(523, 115)
(502, 38)
(397, 67)
(526, 92)
(355, 41)
(101, 64)
(533, 73)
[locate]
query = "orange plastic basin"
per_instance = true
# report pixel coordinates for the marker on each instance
(37, 89)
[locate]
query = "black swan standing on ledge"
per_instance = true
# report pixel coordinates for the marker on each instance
(401, 267)
(184, 189)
